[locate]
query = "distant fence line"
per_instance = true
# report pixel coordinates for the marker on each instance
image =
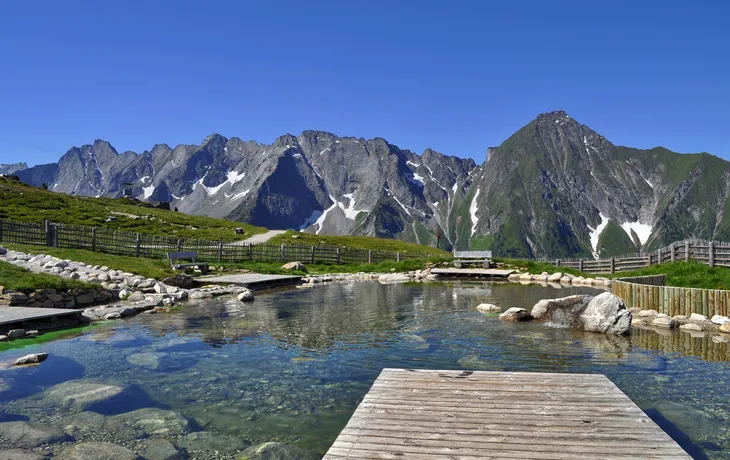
(651, 293)
(118, 242)
(712, 253)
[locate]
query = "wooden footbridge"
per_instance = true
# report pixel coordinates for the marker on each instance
(466, 415)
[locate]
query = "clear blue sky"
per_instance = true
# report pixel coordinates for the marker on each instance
(454, 76)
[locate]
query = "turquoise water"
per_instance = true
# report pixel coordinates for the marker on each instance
(292, 366)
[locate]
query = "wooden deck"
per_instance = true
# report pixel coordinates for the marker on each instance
(472, 272)
(12, 315)
(252, 280)
(465, 415)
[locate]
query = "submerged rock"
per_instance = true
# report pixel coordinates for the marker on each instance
(30, 435)
(97, 451)
(19, 454)
(277, 451)
(161, 449)
(564, 311)
(207, 441)
(148, 360)
(80, 394)
(515, 314)
(86, 422)
(607, 314)
(147, 422)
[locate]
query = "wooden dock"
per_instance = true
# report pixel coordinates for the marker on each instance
(472, 272)
(253, 280)
(12, 315)
(470, 415)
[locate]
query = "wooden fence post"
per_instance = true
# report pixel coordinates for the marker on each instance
(580, 265)
(312, 254)
(686, 251)
(49, 236)
(220, 251)
(179, 245)
(137, 245)
(712, 254)
(648, 260)
(250, 252)
(613, 265)
(659, 256)
(397, 256)
(1, 230)
(672, 251)
(370, 257)
(557, 262)
(93, 239)
(283, 257)
(338, 255)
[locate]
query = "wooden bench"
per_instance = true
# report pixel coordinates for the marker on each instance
(176, 256)
(472, 258)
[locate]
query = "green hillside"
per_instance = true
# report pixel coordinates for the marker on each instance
(614, 241)
(360, 242)
(24, 203)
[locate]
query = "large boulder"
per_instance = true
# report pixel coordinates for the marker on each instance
(33, 358)
(298, 266)
(564, 311)
(555, 277)
(97, 451)
(181, 281)
(147, 422)
(277, 451)
(515, 314)
(607, 314)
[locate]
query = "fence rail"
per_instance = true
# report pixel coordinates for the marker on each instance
(119, 242)
(712, 253)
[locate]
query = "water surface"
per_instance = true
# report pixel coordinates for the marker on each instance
(293, 365)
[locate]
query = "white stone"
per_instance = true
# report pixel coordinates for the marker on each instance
(720, 320)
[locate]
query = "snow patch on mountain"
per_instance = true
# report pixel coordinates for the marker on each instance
(473, 208)
(595, 233)
(643, 231)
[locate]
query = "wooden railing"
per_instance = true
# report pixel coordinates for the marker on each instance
(712, 253)
(153, 246)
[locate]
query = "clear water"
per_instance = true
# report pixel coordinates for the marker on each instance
(293, 365)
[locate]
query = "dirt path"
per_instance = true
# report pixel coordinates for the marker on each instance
(260, 238)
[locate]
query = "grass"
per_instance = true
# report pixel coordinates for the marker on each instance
(150, 268)
(47, 337)
(24, 203)
(358, 242)
(20, 279)
(685, 274)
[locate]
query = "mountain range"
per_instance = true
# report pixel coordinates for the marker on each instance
(555, 188)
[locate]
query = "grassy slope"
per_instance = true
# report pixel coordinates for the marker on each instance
(29, 204)
(20, 279)
(534, 267)
(361, 242)
(683, 274)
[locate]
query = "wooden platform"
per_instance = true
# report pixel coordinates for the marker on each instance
(252, 280)
(11, 315)
(430, 415)
(472, 272)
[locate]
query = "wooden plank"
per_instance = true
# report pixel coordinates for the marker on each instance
(419, 414)
(11, 315)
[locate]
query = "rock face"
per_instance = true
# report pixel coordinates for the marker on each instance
(606, 313)
(515, 314)
(97, 451)
(33, 358)
(277, 451)
(294, 266)
(564, 311)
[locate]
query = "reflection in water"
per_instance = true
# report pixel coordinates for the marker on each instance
(293, 365)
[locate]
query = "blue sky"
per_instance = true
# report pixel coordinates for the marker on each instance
(456, 76)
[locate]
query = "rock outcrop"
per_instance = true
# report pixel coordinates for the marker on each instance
(515, 314)
(607, 314)
(564, 311)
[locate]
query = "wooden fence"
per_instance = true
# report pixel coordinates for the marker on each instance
(651, 293)
(712, 253)
(151, 246)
